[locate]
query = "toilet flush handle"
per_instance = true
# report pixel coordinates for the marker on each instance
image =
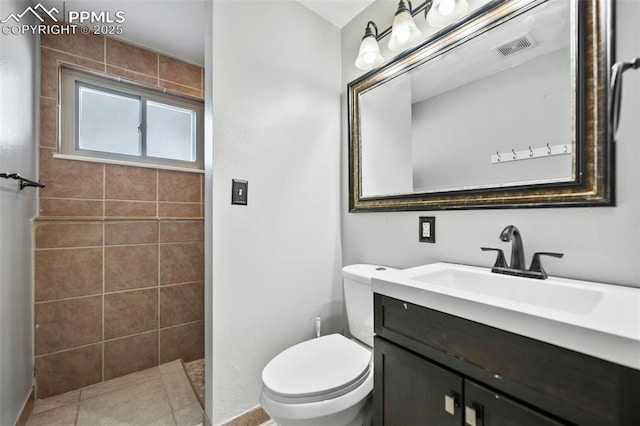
(317, 326)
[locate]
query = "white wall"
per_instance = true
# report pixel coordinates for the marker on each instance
(17, 154)
(277, 261)
(600, 244)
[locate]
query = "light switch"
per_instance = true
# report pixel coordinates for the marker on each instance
(427, 229)
(239, 190)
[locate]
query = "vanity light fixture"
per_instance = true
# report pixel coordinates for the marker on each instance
(369, 55)
(444, 12)
(404, 32)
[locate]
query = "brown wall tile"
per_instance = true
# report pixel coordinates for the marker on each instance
(57, 207)
(130, 209)
(50, 61)
(68, 178)
(132, 58)
(180, 72)
(130, 183)
(48, 123)
(181, 230)
(181, 303)
(130, 312)
(131, 233)
(181, 263)
(130, 354)
(179, 210)
(52, 235)
(132, 76)
(69, 370)
(130, 267)
(67, 323)
(183, 341)
(178, 186)
(88, 46)
(66, 273)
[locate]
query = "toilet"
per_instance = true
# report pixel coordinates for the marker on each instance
(327, 381)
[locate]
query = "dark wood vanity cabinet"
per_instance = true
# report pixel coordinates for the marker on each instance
(410, 390)
(436, 369)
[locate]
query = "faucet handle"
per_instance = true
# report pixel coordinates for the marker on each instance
(501, 261)
(536, 265)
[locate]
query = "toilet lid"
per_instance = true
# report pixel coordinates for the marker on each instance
(330, 364)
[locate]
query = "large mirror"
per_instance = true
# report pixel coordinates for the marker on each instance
(505, 108)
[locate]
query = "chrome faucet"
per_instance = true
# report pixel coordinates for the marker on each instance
(511, 233)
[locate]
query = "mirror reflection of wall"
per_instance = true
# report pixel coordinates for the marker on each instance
(525, 106)
(388, 151)
(509, 88)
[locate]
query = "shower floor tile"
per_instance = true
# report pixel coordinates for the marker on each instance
(158, 396)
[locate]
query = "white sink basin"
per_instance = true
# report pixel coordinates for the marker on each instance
(597, 319)
(550, 293)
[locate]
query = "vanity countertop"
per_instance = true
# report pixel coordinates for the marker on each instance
(596, 319)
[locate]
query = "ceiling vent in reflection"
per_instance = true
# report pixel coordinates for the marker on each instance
(514, 46)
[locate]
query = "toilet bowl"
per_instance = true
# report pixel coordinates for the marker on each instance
(320, 382)
(327, 381)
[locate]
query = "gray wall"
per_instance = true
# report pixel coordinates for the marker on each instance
(451, 130)
(600, 244)
(17, 154)
(276, 261)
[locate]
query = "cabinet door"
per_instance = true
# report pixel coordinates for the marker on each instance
(483, 407)
(409, 390)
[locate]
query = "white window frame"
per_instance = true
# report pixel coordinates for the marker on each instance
(70, 79)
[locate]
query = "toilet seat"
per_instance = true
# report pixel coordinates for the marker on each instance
(316, 370)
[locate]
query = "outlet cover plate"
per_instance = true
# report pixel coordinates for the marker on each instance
(427, 229)
(239, 190)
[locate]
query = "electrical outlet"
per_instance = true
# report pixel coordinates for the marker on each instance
(427, 229)
(239, 190)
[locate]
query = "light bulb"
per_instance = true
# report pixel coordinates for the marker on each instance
(404, 31)
(369, 54)
(369, 57)
(445, 12)
(403, 34)
(446, 7)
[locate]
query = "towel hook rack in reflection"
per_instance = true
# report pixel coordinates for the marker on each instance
(24, 182)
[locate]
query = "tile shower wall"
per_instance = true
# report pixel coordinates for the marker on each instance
(119, 262)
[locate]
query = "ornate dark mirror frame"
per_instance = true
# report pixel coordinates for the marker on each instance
(595, 148)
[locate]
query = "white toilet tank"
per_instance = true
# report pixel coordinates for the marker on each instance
(358, 299)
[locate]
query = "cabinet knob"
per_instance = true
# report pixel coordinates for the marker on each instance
(450, 404)
(470, 417)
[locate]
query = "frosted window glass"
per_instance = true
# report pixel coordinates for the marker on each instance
(108, 122)
(170, 132)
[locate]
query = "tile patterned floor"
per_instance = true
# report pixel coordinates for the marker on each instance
(157, 396)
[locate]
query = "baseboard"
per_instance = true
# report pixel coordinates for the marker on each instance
(254, 417)
(27, 408)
